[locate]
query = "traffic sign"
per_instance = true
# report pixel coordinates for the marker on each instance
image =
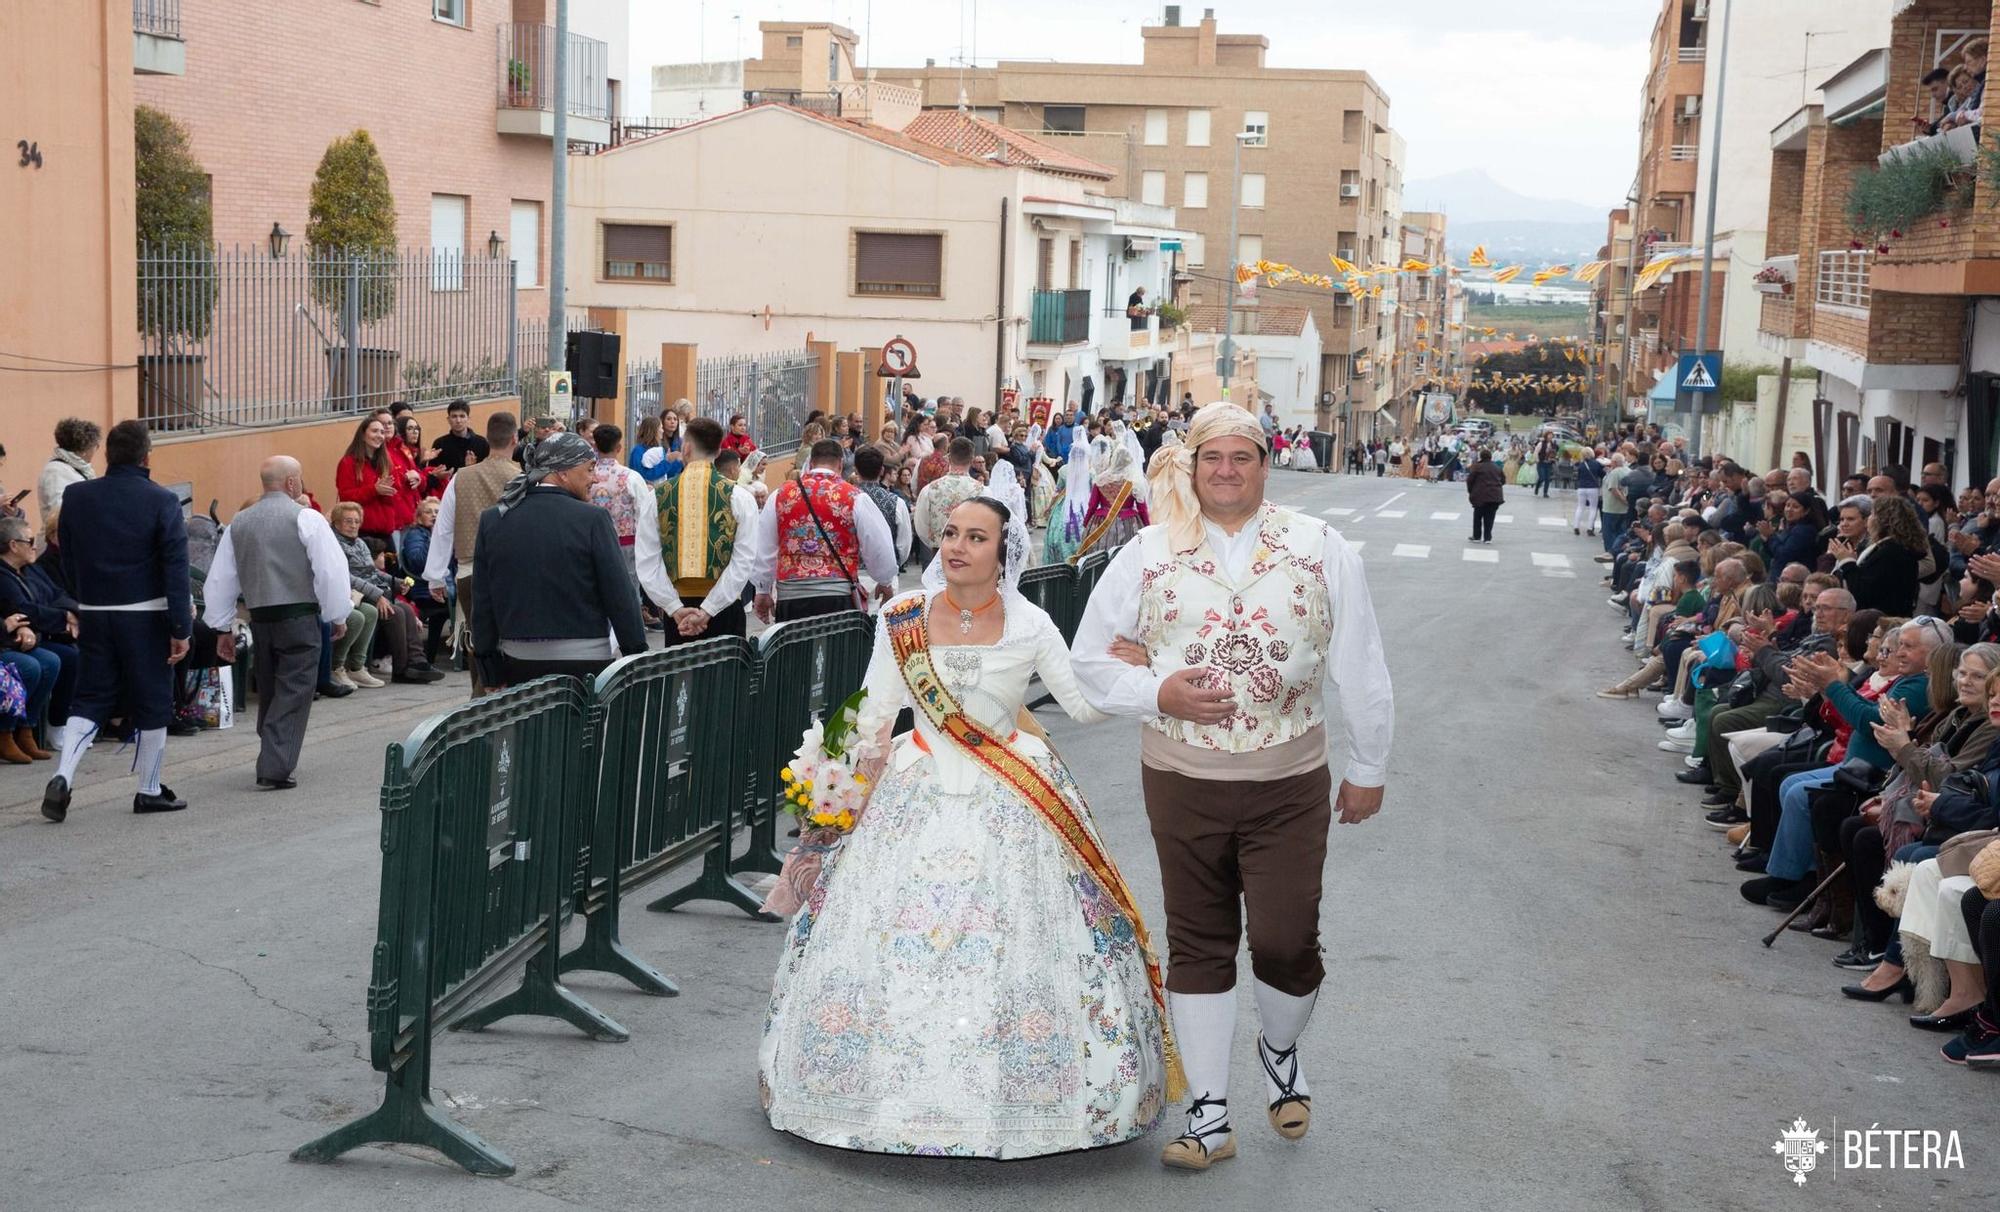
(1700, 374)
(899, 360)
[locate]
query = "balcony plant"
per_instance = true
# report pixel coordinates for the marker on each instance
(1171, 317)
(1883, 203)
(520, 83)
(351, 238)
(177, 291)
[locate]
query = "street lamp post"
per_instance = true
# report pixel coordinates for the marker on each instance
(1226, 364)
(1714, 151)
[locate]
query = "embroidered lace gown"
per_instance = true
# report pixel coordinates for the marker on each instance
(954, 985)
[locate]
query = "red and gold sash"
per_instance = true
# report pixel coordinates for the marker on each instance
(909, 638)
(1103, 524)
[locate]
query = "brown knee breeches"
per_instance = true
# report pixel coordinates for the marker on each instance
(1262, 844)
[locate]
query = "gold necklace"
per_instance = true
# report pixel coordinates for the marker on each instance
(964, 615)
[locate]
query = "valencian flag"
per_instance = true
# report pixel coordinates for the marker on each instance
(1590, 272)
(1508, 274)
(1553, 271)
(1478, 258)
(1414, 266)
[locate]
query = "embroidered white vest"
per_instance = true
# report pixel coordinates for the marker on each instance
(1268, 636)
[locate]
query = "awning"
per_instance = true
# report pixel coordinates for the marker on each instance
(1663, 391)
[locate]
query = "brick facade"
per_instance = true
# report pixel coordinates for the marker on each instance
(1974, 231)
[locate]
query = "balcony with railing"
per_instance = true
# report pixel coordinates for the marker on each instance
(827, 103)
(1124, 339)
(1844, 279)
(526, 72)
(157, 49)
(1060, 317)
(893, 106)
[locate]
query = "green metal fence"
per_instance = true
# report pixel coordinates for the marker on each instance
(670, 774)
(804, 668)
(1053, 588)
(477, 811)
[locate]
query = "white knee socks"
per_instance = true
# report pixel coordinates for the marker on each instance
(1283, 1018)
(1205, 1030)
(146, 763)
(77, 736)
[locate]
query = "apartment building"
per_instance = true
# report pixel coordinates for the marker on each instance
(1424, 337)
(1779, 52)
(1894, 323)
(1315, 159)
(1610, 315)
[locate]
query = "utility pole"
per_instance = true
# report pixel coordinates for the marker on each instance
(1226, 356)
(1714, 151)
(558, 189)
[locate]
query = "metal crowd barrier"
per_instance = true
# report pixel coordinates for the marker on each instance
(670, 776)
(805, 668)
(477, 808)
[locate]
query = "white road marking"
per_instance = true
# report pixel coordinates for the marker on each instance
(1557, 572)
(1545, 559)
(1552, 522)
(1414, 551)
(1479, 555)
(1391, 513)
(1503, 517)
(1337, 511)
(1444, 517)
(1392, 500)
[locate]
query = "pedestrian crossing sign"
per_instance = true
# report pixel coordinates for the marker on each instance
(1701, 374)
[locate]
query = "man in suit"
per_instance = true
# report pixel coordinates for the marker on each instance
(291, 573)
(124, 545)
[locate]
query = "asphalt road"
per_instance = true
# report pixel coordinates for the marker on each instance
(1543, 992)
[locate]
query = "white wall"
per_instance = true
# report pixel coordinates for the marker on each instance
(685, 92)
(610, 22)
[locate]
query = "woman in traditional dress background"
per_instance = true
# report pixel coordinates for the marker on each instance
(1117, 508)
(1072, 508)
(967, 976)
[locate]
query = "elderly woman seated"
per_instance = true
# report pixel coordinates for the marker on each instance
(1902, 676)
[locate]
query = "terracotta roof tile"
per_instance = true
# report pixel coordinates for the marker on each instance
(1270, 321)
(975, 136)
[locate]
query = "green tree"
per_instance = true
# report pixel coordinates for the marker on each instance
(351, 227)
(176, 225)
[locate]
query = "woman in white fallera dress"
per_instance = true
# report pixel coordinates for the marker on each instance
(957, 983)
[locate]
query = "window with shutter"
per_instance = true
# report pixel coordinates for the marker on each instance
(636, 252)
(899, 263)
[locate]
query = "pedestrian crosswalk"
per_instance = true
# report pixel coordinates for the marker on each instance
(1445, 517)
(1413, 551)
(1392, 513)
(1480, 555)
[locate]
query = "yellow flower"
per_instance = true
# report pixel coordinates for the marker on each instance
(846, 820)
(786, 774)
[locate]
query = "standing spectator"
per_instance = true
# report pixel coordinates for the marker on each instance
(1545, 464)
(1485, 488)
(76, 444)
(1936, 82)
(701, 559)
(50, 616)
(368, 476)
(656, 450)
(470, 493)
(920, 439)
(1615, 507)
(459, 448)
(814, 541)
(1883, 574)
(738, 438)
(552, 589)
(292, 575)
(125, 555)
(409, 446)
(1135, 308)
(1589, 480)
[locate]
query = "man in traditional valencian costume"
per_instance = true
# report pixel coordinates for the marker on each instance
(1254, 618)
(698, 570)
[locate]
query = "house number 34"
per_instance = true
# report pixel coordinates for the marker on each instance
(31, 153)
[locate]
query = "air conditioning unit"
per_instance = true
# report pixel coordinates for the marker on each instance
(1351, 189)
(1343, 299)
(1691, 106)
(1347, 254)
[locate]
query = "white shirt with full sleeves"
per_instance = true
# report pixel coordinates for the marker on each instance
(224, 584)
(878, 544)
(729, 586)
(1357, 675)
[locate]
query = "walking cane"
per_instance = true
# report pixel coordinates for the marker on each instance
(1805, 904)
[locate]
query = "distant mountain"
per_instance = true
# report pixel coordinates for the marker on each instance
(1524, 242)
(1471, 196)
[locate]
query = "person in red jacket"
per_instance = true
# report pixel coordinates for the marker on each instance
(371, 475)
(738, 438)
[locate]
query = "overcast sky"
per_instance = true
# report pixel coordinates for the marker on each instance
(1543, 95)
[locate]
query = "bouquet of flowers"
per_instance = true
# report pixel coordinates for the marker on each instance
(825, 787)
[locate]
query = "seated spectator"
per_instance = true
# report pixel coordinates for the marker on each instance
(50, 614)
(77, 441)
(414, 549)
(369, 478)
(10, 504)
(379, 602)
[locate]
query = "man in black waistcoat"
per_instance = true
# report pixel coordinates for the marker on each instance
(125, 558)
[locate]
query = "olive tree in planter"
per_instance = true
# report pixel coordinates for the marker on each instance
(177, 285)
(351, 239)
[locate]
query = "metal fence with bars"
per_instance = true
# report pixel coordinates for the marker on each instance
(642, 394)
(531, 356)
(237, 337)
(161, 18)
(773, 391)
